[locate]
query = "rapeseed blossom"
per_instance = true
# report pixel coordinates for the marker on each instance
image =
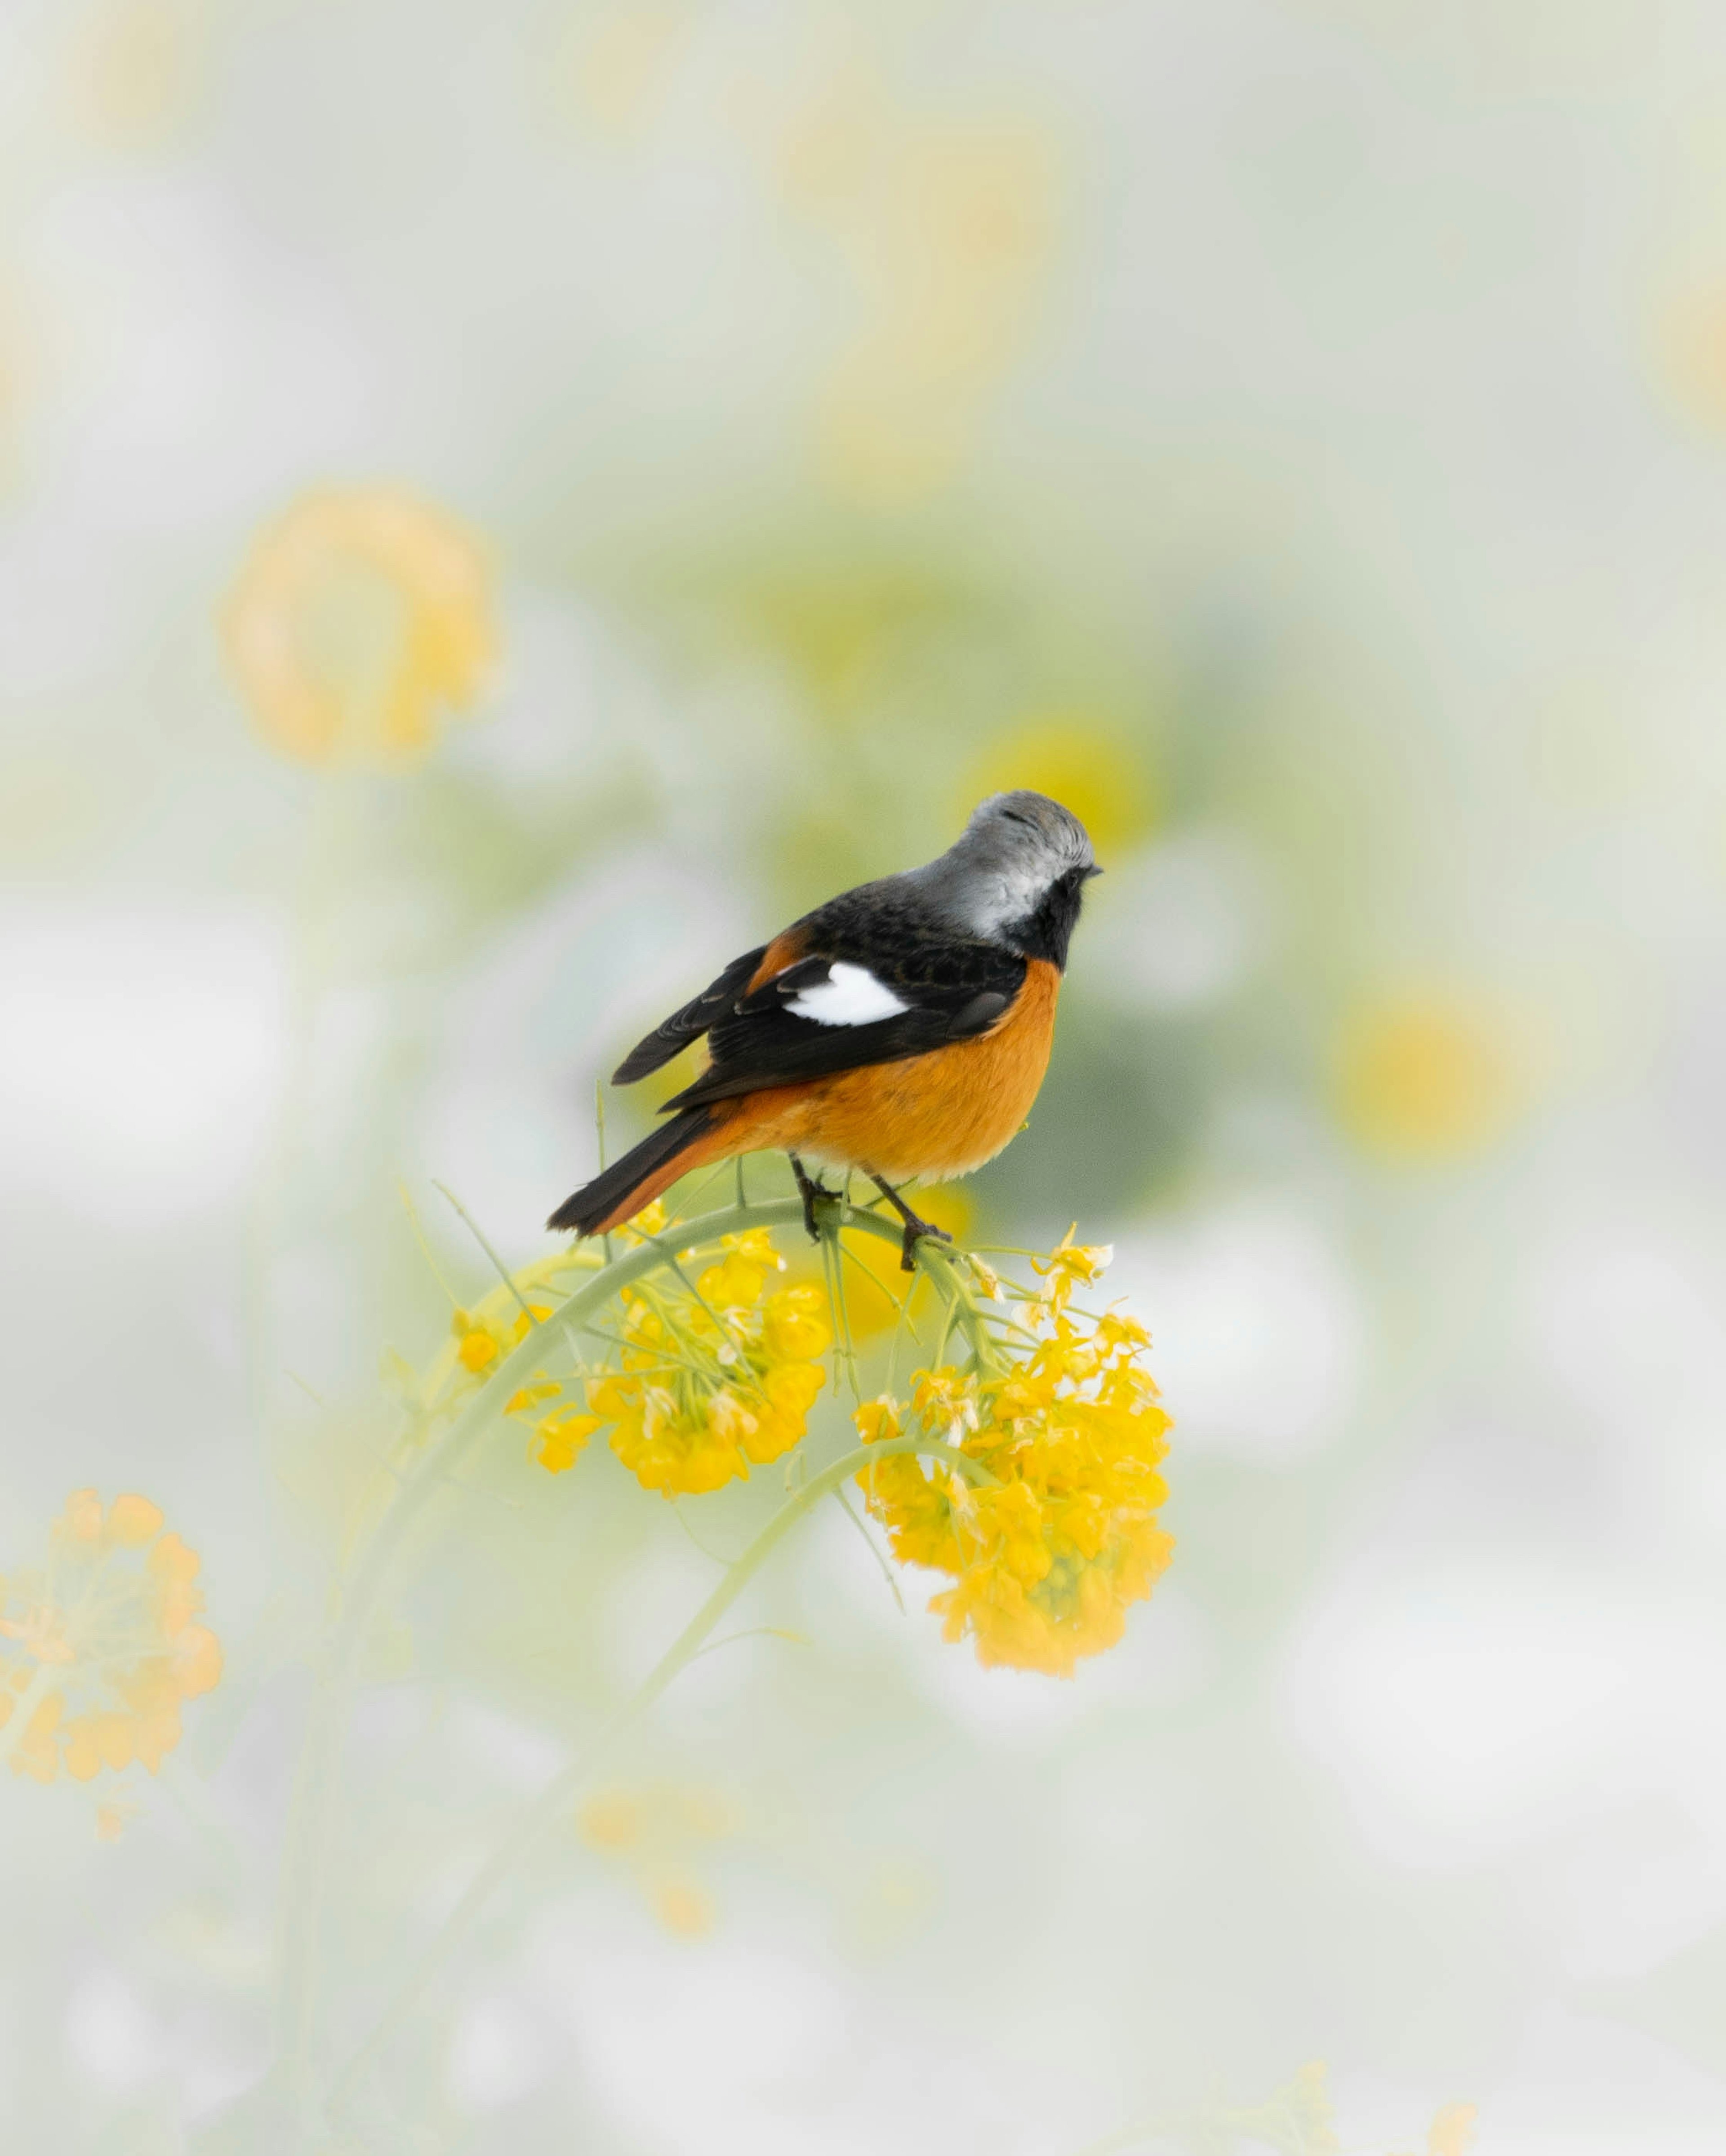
(1427, 1074)
(361, 615)
(658, 1832)
(478, 1340)
(100, 1645)
(711, 1360)
(715, 1376)
(1051, 1534)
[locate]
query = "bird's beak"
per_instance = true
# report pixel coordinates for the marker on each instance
(1094, 871)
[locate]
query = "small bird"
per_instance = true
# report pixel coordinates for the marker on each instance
(902, 1029)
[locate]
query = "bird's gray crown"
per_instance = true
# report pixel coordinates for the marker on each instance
(1016, 846)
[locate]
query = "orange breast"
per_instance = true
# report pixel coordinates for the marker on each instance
(933, 1116)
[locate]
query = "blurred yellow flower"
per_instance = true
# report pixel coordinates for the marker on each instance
(656, 1831)
(826, 150)
(619, 68)
(478, 1341)
(1049, 1554)
(99, 1646)
(561, 1436)
(138, 68)
(1451, 2132)
(1689, 353)
(683, 1908)
(359, 617)
(1296, 2121)
(1424, 1077)
(112, 1820)
(948, 240)
(1084, 759)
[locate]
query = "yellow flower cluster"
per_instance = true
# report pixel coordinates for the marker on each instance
(361, 616)
(1297, 2119)
(715, 1378)
(1057, 1535)
(657, 1832)
(478, 1341)
(100, 1644)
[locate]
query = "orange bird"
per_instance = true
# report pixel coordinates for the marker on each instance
(902, 1029)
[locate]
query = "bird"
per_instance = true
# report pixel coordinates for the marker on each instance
(901, 1030)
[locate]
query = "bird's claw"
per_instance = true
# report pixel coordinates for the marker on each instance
(814, 1192)
(915, 1231)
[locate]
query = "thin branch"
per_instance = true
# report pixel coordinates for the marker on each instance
(554, 1800)
(873, 1547)
(479, 1235)
(754, 1632)
(424, 1242)
(712, 1556)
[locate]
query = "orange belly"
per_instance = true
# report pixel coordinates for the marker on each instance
(932, 1115)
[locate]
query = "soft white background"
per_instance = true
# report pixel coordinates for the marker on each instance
(1342, 396)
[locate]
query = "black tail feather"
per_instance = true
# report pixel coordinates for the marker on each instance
(598, 1200)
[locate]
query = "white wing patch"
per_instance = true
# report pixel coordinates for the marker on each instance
(850, 995)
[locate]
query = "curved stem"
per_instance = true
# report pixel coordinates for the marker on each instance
(554, 1800)
(301, 1891)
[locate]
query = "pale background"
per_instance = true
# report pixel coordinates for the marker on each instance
(1298, 432)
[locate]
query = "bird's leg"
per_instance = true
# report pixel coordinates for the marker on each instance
(915, 1228)
(811, 1192)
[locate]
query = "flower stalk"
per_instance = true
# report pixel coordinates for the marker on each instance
(303, 1864)
(555, 1801)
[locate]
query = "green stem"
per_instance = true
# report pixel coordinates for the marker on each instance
(554, 1800)
(303, 1867)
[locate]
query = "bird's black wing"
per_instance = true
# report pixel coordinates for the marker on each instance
(691, 1022)
(947, 988)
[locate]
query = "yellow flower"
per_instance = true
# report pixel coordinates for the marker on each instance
(610, 1821)
(1451, 2132)
(105, 1647)
(714, 1381)
(480, 1338)
(684, 1907)
(1687, 352)
(656, 1831)
(1049, 1548)
(111, 1820)
(794, 1323)
(133, 1522)
(477, 1349)
(559, 1437)
(945, 1400)
(651, 1221)
(1086, 758)
(953, 245)
(1296, 2121)
(1071, 1265)
(138, 68)
(359, 616)
(1424, 1077)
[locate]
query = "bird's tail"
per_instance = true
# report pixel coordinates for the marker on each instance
(618, 1192)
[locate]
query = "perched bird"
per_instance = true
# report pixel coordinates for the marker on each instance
(902, 1029)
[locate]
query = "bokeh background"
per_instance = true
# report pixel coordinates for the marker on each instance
(499, 507)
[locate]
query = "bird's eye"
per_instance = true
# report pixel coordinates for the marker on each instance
(1013, 816)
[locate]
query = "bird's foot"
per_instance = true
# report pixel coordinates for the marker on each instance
(915, 1231)
(914, 1228)
(814, 1192)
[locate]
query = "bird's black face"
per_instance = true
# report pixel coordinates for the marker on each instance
(1047, 929)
